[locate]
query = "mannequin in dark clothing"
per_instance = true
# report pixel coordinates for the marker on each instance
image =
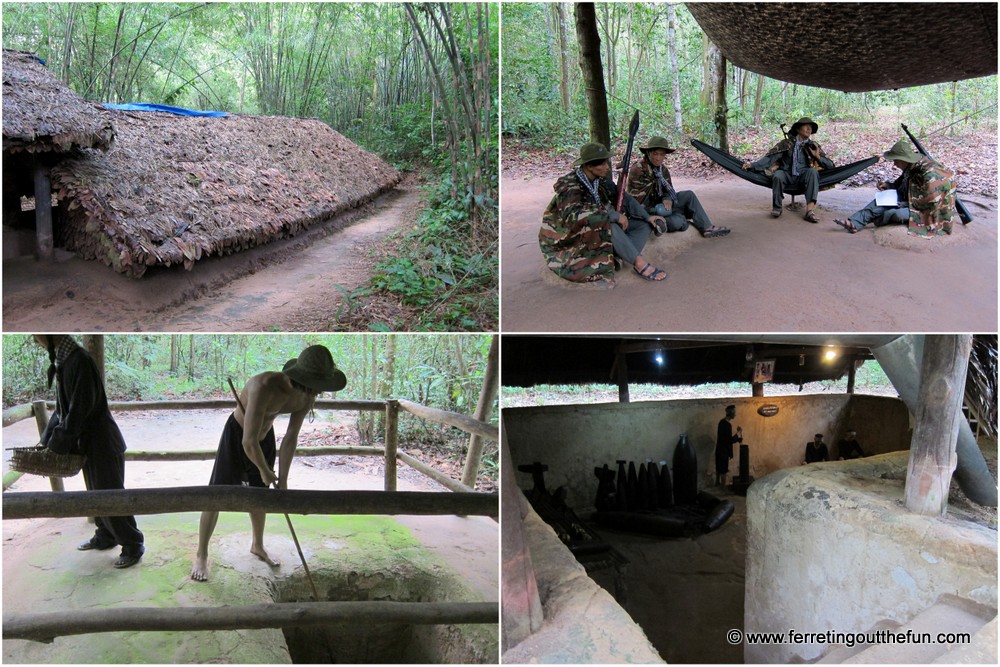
(816, 450)
(724, 444)
(82, 424)
(849, 447)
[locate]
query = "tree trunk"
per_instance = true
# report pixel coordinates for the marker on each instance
(590, 66)
(174, 354)
(758, 100)
(191, 358)
(675, 74)
(721, 110)
(563, 55)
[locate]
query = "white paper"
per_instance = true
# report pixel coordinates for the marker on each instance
(886, 198)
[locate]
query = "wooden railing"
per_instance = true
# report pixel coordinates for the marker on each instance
(463, 502)
(390, 452)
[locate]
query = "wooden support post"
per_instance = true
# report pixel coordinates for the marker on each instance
(938, 416)
(621, 365)
(41, 421)
(486, 396)
(44, 627)
(44, 237)
(391, 443)
(851, 372)
(756, 388)
(122, 502)
(520, 604)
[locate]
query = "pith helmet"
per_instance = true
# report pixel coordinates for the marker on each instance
(901, 150)
(315, 369)
(657, 142)
(591, 153)
(805, 120)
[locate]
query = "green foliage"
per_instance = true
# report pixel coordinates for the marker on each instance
(439, 270)
(440, 371)
(628, 31)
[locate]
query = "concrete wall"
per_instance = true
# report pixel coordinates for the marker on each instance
(573, 439)
(583, 623)
(830, 548)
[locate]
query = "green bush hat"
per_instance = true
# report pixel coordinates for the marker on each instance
(657, 142)
(805, 120)
(901, 150)
(591, 153)
(315, 369)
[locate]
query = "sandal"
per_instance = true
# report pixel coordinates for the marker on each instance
(775, 212)
(846, 224)
(714, 231)
(810, 216)
(655, 275)
(659, 228)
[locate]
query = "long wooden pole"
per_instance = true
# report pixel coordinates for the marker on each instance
(437, 476)
(209, 454)
(44, 627)
(464, 422)
(124, 502)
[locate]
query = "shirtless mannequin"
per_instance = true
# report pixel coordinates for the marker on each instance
(293, 391)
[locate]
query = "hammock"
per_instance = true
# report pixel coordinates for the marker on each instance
(827, 177)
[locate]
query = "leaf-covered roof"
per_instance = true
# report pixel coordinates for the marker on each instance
(40, 114)
(176, 189)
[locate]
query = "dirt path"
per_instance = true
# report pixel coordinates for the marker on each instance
(768, 275)
(289, 285)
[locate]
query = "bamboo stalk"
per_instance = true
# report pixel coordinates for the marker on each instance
(24, 505)
(44, 627)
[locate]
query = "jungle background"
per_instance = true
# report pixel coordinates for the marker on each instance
(416, 83)
(656, 59)
(440, 371)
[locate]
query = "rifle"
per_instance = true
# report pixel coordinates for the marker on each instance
(963, 212)
(633, 128)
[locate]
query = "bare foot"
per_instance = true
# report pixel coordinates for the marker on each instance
(199, 569)
(261, 554)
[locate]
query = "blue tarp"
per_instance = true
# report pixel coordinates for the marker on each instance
(166, 109)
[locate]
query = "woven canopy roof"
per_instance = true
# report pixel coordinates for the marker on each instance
(855, 47)
(40, 114)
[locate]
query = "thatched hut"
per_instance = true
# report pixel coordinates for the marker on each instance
(43, 120)
(175, 189)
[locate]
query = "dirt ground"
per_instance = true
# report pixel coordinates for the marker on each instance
(294, 284)
(470, 544)
(768, 275)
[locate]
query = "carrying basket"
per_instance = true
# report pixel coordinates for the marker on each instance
(40, 460)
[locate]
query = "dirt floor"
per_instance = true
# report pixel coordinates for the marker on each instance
(295, 284)
(686, 593)
(468, 545)
(768, 275)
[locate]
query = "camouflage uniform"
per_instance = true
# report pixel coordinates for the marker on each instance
(932, 198)
(645, 187)
(575, 236)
